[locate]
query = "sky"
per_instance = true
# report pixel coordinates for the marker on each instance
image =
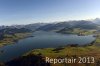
(37, 11)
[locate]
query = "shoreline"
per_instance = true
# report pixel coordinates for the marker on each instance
(15, 40)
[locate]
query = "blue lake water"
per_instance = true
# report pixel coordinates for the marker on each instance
(42, 39)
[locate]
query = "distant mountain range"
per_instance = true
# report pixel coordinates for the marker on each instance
(71, 24)
(97, 21)
(82, 24)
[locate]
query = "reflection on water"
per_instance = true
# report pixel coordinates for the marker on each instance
(42, 39)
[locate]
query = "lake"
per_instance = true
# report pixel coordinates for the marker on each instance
(42, 39)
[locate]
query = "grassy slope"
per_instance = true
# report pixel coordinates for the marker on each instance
(9, 39)
(93, 51)
(77, 31)
(70, 52)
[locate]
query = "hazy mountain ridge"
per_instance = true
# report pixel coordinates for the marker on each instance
(97, 21)
(71, 24)
(83, 24)
(34, 26)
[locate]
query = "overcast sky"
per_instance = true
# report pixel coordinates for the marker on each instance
(32, 11)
